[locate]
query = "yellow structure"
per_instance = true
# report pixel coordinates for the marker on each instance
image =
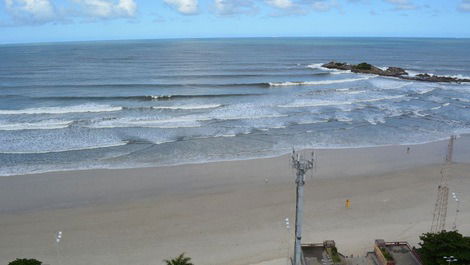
(348, 204)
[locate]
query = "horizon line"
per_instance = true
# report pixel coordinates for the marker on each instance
(212, 38)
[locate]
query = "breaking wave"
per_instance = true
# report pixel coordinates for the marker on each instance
(183, 122)
(63, 110)
(189, 107)
(68, 149)
(190, 121)
(42, 125)
(323, 82)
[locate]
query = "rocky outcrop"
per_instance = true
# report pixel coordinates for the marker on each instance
(365, 68)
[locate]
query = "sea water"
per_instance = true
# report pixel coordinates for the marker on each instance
(140, 103)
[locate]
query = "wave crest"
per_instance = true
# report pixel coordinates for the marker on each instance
(189, 107)
(42, 125)
(322, 82)
(63, 110)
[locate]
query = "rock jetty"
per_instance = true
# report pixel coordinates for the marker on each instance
(365, 68)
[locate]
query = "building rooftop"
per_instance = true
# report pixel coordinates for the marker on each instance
(324, 254)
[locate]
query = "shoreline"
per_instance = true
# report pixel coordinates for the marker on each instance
(275, 154)
(228, 212)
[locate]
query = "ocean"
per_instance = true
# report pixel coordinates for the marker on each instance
(124, 104)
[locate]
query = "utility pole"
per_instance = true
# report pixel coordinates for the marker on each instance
(301, 166)
(440, 207)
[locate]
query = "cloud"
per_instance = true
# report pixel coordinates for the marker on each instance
(186, 7)
(107, 9)
(301, 7)
(233, 7)
(37, 12)
(324, 5)
(30, 11)
(283, 4)
(464, 6)
(402, 4)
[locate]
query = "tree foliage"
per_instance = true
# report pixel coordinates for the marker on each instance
(180, 260)
(435, 246)
(25, 262)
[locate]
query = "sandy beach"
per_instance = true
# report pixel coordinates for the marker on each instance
(228, 212)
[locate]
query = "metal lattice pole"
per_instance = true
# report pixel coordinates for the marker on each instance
(301, 166)
(440, 207)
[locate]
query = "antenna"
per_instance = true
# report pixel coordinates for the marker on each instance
(301, 167)
(440, 207)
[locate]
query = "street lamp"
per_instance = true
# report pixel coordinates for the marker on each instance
(450, 259)
(457, 210)
(58, 237)
(287, 223)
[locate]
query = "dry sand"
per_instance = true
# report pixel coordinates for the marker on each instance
(226, 212)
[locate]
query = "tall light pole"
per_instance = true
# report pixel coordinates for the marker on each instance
(457, 210)
(450, 259)
(287, 223)
(301, 166)
(58, 237)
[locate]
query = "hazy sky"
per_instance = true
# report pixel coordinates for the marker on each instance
(69, 20)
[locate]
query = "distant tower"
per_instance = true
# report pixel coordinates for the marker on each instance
(440, 208)
(301, 166)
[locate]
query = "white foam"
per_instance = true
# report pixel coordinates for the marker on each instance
(356, 92)
(412, 73)
(380, 99)
(419, 114)
(311, 122)
(349, 91)
(179, 122)
(459, 76)
(252, 117)
(316, 66)
(319, 103)
(161, 97)
(190, 121)
(314, 103)
(389, 83)
(323, 82)
(332, 71)
(67, 150)
(344, 119)
(189, 107)
(42, 125)
(339, 72)
(63, 110)
(374, 120)
(427, 90)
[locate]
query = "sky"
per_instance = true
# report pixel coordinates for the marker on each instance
(25, 21)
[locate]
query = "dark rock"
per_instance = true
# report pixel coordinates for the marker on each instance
(395, 71)
(336, 65)
(365, 68)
